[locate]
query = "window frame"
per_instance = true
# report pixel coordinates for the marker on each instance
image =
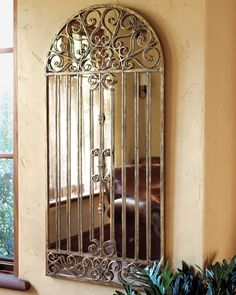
(9, 265)
(9, 268)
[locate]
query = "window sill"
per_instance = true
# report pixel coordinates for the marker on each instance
(63, 200)
(10, 281)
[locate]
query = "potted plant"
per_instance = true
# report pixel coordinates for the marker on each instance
(159, 279)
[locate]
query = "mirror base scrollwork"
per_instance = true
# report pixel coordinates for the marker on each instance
(95, 269)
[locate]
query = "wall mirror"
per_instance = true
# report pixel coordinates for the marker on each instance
(105, 115)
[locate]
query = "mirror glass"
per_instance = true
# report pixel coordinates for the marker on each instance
(116, 119)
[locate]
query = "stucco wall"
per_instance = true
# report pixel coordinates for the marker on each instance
(220, 139)
(180, 25)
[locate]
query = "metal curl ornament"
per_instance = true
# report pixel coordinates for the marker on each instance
(109, 33)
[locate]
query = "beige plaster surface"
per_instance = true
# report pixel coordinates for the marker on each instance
(180, 25)
(220, 139)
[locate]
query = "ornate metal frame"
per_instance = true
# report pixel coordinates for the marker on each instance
(98, 43)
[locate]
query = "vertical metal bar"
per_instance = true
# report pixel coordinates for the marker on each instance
(49, 162)
(136, 153)
(101, 163)
(78, 160)
(148, 189)
(50, 167)
(123, 139)
(68, 201)
(56, 151)
(91, 195)
(81, 164)
(149, 162)
(80, 193)
(59, 161)
(162, 161)
(146, 185)
(112, 173)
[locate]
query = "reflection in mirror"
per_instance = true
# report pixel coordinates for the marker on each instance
(105, 151)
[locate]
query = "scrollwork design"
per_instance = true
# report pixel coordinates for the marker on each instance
(108, 248)
(95, 178)
(125, 273)
(106, 178)
(93, 81)
(106, 269)
(95, 152)
(106, 152)
(106, 80)
(94, 248)
(102, 38)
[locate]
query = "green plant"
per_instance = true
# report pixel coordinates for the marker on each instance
(155, 279)
(160, 279)
(221, 278)
(188, 282)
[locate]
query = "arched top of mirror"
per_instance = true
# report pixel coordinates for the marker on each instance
(105, 38)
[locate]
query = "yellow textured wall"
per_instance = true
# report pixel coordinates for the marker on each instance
(220, 136)
(180, 25)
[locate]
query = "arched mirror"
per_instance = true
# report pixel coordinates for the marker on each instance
(105, 75)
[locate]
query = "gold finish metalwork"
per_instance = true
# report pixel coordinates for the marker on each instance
(93, 61)
(108, 37)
